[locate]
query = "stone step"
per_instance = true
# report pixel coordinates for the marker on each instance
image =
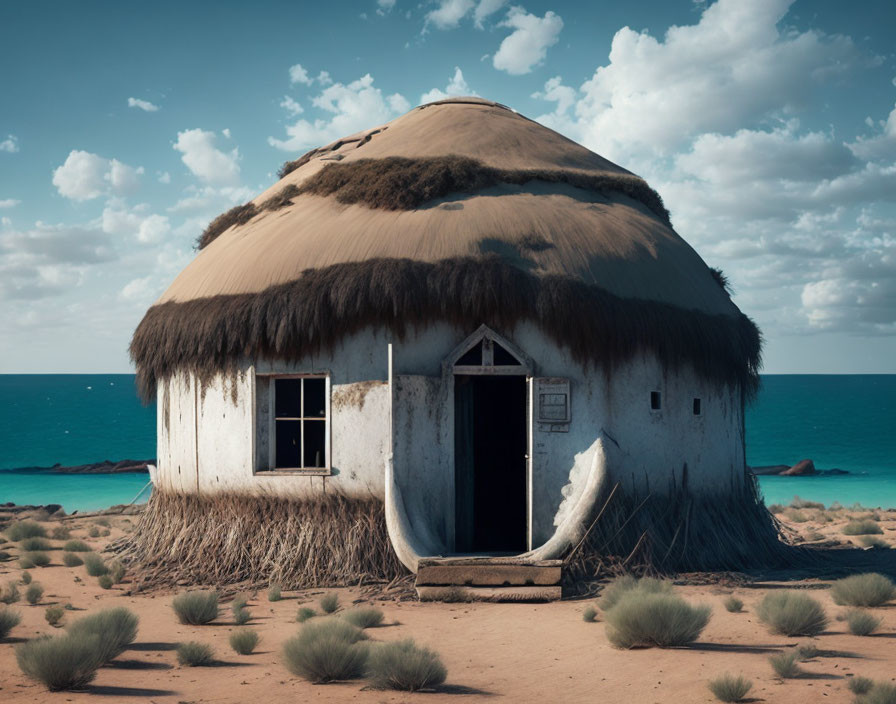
(466, 593)
(487, 572)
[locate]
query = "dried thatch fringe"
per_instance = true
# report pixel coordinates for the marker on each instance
(288, 321)
(731, 531)
(329, 540)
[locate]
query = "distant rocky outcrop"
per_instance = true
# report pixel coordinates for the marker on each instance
(104, 467)
(803, 468)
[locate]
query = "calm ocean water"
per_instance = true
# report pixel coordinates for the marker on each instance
(845, 422)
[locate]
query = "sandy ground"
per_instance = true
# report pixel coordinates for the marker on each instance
(512, 652)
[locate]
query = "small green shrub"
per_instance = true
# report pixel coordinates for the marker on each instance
(69, 606)
(26, 577)
(60, 663)
(93, 532)
(364, 617)
(404, 666)
(866, 527)
(803, 503)
(776, 508)
(35, 544)
(194, 654)
(25, 529)
(60, 533)
(660, 619)
(241, 616)
(861, 623)
(69, 559)
(9, 619)
(243, 640)
(304, 614)
(623, 585)
(33, 593)
(880, 693)
(872, 541)
(814, 536)
(10, 593)
(105, 581)
(34, 559)
(26, 563)
(734, 605)
(589, 615)
(326, 650)
(196, 608)
(859, 685)
(796, 516)
(239, 602)
(807, 652)
(729, 688)
(104, 522)
(784, 665)
(76, 546)
(95, 565)
(274, 593)
(116, 571)
(54, 614)
(329, 603)
(869, 589)
(115, 629)
(791, 613)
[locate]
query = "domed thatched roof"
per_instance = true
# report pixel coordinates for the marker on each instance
(460, 210)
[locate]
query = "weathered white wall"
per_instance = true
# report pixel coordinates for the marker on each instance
(210, 443)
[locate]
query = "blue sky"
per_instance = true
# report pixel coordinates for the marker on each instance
(769, 127)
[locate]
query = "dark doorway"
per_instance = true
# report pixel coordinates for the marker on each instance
(490, 463)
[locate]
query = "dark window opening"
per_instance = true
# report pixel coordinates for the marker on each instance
(300, 423)
(472, 357)
(697, 407)
(503, 358)
(655, 401)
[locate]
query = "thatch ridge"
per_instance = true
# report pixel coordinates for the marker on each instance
(237, 215)
(400, 183)
(288, 321)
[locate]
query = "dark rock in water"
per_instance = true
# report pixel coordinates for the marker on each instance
(800, 469)
(104, 467)
(769, 469)
(834, 472)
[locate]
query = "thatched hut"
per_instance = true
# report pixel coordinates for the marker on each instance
(451, 334)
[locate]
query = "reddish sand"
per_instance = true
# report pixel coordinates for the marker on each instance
(516, 652)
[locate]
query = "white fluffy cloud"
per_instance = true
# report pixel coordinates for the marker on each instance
(291, 106)
(384, 6)
(879, 147)
(448, 14)
(456, 86)
(297, 74)
(528, 44)
(205, 160)
(348, 108)
(84, 176)
(143, 105)
(485, 9)
(9, 202)
(10, 144)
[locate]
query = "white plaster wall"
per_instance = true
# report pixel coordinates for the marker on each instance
(645, 450)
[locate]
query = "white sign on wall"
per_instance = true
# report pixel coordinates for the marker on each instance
(552, 408)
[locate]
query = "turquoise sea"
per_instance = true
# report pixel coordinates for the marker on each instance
(844, 422)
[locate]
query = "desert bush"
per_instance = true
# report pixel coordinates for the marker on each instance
(803, 503)
(35, 544)
(34, 559)
(4, 555)
(623, 585)
(364, 617)
(33, 593)
(105, 581)
(69, 559)
(664, 620)
(274, 593)
(9, 619)
(589, 615)
(195, 654)
(20, 530)
(76, 546)
(404, 666)
(239, 602)
(733, 604)
(116, 571)
(869, 589)
(244, 640)
(866, 527)
(10, 593)
(304, 614)
(329, 603)
(54, 614)
(241, 615)
(115, 629)
(872, 541)
(807, 652)
(60, 533)
(25, 563)
(814, 536)
(790, 613)
(325, 651)
(859, 685)
(861, 623)
(880, 693)
(26, 577)
(796, 516)
(104, 522)
(93, 532)
(196, 608)
(60, 663)
(95, 565)
(729, 688)
(776, 508)
(784, 665)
